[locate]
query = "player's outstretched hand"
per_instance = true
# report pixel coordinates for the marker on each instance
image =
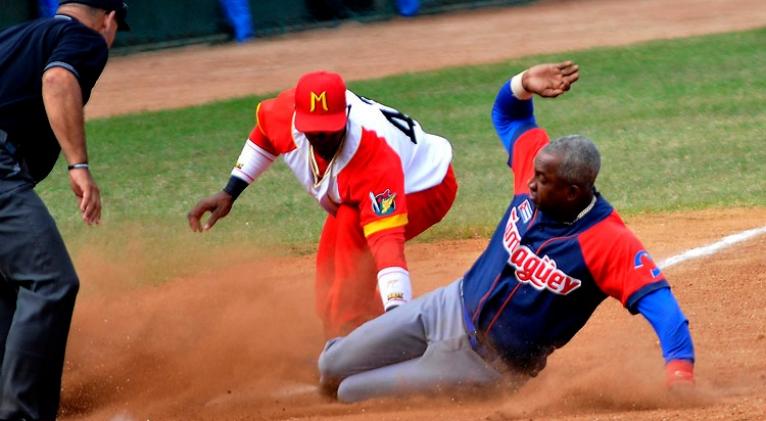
(219, 205)
(550, 80)
(87, 193)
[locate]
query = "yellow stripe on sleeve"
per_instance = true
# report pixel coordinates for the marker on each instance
(385, 223)
(258, 123)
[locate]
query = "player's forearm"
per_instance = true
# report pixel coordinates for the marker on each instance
(394, 282)
(512, 115)
(62, 98)
(387, 248)
(252, 162)
(662, 311)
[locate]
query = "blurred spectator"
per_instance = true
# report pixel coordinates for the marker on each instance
(238, 14)
(47, 8)
(408, 7)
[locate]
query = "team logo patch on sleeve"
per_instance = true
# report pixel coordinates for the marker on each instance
(383, 204)
(643, 260)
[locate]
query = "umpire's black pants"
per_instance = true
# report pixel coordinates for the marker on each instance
(38, 286)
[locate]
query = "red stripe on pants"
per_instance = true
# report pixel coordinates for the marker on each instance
(346, 274)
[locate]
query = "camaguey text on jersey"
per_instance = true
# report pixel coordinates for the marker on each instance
(530, 268)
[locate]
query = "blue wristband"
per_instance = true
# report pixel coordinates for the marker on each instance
(235, 187)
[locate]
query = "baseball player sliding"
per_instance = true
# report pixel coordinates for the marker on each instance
(560, 249)
(379, 176)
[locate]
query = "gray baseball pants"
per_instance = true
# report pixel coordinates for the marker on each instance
(38, 286)
(419, 347)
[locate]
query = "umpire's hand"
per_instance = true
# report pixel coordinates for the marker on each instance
(86, 191)
(219, 205)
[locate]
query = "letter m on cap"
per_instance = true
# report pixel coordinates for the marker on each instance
(318, 98)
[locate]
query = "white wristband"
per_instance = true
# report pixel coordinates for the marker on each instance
(518, 88)
(252, 162)
(394, 286)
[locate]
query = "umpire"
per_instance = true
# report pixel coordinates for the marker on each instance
(48, 68)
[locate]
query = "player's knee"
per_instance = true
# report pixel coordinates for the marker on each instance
(328, 364)
(357, 389)
(347, 393)
(331, 362)
(66, 286)
(70, 287)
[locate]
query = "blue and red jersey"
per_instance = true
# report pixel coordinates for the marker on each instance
(540, 279)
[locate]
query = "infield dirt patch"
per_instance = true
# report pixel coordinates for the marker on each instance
(240, 342)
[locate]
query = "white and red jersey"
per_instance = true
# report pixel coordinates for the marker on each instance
(384, 156)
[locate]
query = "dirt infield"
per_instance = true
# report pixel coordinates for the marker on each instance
(240, 342)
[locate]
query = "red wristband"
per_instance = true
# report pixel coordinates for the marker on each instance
(679, 372)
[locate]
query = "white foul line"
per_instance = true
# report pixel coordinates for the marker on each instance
(709, 249)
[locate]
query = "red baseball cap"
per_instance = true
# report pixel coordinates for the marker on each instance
(320, 102)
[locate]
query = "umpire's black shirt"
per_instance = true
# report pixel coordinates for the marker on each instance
(26, 52)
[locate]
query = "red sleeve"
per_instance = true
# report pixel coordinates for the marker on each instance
(523, 160)
(619, 262)
(387, 248)
(258, 136)
(375, 184)
(273, 124)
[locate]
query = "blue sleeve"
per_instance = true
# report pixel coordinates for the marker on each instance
(511, 117)
(47, 8)
(661, 309)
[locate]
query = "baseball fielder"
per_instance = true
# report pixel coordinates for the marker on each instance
(379, 176)
(559, 251)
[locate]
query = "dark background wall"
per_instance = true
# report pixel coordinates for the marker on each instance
(157, 23)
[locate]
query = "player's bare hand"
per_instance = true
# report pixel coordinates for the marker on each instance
(87, 193)
(219, 205)
(552, 79)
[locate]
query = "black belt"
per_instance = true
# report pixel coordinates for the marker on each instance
(5, 144)
(477, 341)
(483, 346)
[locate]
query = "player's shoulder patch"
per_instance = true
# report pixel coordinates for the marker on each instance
(383, 203)
(642, 261)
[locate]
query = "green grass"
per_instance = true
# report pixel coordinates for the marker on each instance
(680, 124)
